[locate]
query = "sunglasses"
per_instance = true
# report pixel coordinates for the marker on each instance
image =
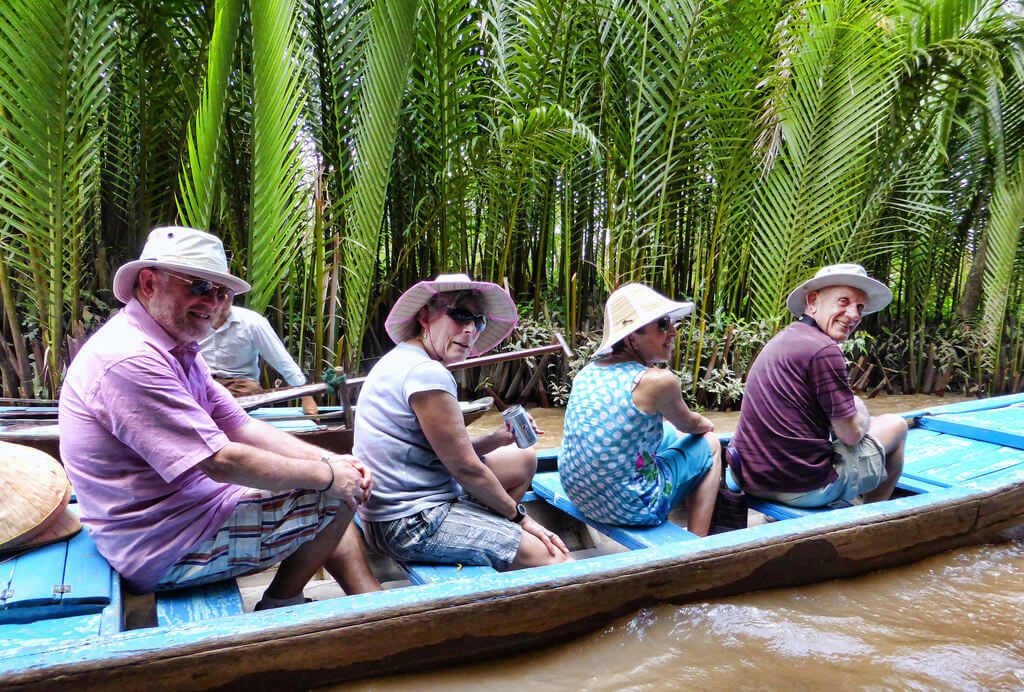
(464, 316)
(201, 287)
(663, 324)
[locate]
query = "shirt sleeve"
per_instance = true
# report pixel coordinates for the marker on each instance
(830, 383)
(428, 377)
(270, 347)
(224, 408)
(147, 407)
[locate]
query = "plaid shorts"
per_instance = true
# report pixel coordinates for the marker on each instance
(266, 527)
(459, 532)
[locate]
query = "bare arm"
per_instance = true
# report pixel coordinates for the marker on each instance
(853, 429)
(258, 433)
(261, 456)
(659, 392)
(441, 420)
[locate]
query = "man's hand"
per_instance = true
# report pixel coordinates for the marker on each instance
(352, 480)
(550, 539)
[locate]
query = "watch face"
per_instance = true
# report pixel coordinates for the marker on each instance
(520, 513)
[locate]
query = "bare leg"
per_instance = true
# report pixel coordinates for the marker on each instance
(297, 569)
(338, 548)
(700, 503)
(348, 565)
(891, 431)
(514, 468)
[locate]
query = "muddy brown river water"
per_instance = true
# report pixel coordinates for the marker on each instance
(952, 622)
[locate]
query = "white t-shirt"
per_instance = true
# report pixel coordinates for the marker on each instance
(234, 348)
(407, 475)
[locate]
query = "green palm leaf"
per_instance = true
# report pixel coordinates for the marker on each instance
(199, 174)
(53, 91)
(278, 208)
(392, 29)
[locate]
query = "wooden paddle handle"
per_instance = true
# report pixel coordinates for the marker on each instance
(258, 400)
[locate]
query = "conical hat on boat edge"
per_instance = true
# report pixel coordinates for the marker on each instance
(34, 496)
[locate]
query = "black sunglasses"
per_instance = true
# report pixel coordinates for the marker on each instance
(200, 287)
(464, 316)
(663, 323)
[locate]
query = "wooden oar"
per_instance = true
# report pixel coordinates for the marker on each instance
(272, 397)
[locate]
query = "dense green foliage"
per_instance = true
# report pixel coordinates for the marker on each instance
(719, 150)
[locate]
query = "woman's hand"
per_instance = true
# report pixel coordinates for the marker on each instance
(550, 539)
(505, 436)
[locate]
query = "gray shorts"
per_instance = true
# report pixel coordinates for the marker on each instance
(859, 470)
(459, 532)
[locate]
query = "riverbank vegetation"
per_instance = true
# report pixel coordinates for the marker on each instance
(720, 150)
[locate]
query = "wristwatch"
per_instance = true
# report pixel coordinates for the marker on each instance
(520, 514)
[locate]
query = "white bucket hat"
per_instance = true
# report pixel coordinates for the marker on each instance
(878, 294)
(196, 253)
(502, 315)
(632, 306)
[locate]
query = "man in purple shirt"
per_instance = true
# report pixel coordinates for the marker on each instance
(177, 484)
(803, 438)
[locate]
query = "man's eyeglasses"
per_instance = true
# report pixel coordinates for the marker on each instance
(200, 287)
(464, 316)
(663, 324)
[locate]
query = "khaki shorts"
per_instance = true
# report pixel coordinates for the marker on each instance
(860, 469)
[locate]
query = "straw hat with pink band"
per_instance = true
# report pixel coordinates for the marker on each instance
(496, 304)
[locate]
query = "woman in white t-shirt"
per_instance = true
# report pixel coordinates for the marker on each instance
(440, 496)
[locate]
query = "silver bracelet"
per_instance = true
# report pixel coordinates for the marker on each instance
(329, 468)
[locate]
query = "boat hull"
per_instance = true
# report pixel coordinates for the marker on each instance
(337, 641)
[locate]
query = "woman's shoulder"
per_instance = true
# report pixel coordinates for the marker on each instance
(657, 379)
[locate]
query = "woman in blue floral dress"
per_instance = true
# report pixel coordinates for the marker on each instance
(632, 449)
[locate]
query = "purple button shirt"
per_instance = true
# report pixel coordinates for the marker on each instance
(137, 413)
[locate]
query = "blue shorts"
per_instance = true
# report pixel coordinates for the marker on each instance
(684, 460)
(459, 532)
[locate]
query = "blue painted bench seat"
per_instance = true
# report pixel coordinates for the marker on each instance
(198, 603)
(63, 579)
(549, 487)
(422, 573)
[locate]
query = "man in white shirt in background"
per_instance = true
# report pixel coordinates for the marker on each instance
(232, 352)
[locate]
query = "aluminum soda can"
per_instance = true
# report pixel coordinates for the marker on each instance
(519, 422)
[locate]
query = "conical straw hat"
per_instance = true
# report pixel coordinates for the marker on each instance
(34, 495)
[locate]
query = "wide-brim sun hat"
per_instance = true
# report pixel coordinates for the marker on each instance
(632, 306)
(190, 251)
(502, 315)
(34, 496)
(878, 294)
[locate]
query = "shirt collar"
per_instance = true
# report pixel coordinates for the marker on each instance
(810, 322)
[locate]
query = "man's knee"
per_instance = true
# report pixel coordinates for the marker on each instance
(890, 430)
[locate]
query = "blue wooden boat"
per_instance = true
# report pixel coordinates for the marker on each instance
(61, 621)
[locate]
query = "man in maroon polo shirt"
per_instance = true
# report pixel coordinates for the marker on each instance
(803, 438)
